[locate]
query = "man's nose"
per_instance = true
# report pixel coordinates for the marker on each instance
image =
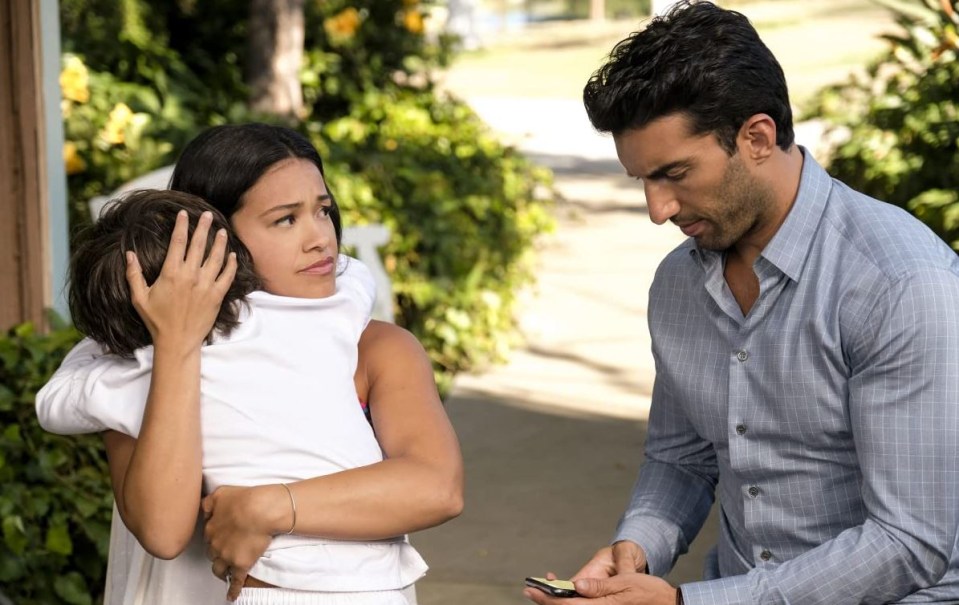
(660, 202)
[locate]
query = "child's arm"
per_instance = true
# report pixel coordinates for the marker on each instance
(158, 491)
(61, 404)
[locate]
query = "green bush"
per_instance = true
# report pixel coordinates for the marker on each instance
(56, 502)
(901, 121)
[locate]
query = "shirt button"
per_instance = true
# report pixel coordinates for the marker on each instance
(742, 356)
(740, 429)
(765, 555)
(753, 491)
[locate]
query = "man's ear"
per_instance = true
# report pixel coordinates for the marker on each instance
(757, 138)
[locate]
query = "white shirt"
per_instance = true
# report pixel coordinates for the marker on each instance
(278, 404)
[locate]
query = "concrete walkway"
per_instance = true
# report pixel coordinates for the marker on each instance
(552, 440)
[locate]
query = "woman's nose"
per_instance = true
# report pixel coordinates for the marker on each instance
(319, 234)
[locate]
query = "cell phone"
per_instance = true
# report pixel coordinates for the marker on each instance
(556, 588)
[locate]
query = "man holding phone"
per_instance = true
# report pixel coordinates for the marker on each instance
(806, 340)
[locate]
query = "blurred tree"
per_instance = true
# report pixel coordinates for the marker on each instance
(276, 34)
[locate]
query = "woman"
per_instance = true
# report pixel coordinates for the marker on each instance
(248, 172)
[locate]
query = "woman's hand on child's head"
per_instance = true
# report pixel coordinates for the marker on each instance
(181, 306)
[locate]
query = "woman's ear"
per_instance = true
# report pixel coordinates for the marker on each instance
(757, 138)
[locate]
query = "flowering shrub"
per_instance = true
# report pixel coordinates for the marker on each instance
(114, 131)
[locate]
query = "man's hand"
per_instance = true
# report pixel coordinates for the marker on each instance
(622, 589)
(620, 558)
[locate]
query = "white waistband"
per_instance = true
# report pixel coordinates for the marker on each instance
(285, 596)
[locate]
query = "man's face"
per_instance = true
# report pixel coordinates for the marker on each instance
(691, 181)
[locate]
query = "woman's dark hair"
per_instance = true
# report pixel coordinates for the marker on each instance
(224, 162)
(699, 60)
(142, 221)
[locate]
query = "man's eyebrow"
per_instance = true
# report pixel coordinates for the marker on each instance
(664, 170)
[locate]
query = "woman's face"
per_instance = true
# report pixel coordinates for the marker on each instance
(284, 220)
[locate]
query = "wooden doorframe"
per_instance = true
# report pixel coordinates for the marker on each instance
(31, 269)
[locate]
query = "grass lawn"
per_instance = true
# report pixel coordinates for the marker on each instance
(817, 42)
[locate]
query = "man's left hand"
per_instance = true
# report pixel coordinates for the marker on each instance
(622, 589)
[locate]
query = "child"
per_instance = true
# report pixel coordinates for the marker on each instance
(278, 403)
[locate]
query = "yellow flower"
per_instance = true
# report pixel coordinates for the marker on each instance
(114, 132)
(413, 21)
(343, 25)
(390, 144)
(72, 159)
(74, 80)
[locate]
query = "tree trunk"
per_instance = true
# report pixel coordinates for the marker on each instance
(276, 54)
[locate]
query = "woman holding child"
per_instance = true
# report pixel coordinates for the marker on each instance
(268, 182)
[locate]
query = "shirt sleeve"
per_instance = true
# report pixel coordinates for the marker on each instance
(356, 281)
(93, 391)
(676, 485)
(904, 410)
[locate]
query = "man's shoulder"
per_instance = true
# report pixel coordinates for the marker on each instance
(883, 235)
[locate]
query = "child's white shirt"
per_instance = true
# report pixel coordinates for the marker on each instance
(278, 404)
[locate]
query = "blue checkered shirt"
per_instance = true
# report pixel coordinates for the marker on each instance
(829, 414)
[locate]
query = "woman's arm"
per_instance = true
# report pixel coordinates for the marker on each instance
(419, 484)
(158, 477)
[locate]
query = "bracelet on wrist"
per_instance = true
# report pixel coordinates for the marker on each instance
(293, 505)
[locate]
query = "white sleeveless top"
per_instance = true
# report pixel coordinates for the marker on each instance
(278, 404)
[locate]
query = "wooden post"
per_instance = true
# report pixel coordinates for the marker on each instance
(597, 10)
(659, 7)
(24, 243)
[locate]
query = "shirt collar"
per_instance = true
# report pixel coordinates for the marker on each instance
(790, 246)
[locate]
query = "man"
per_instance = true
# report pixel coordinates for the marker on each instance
(806, 341)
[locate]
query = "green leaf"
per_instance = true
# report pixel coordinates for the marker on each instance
(72, 588)
(58, 539)
(14, 534)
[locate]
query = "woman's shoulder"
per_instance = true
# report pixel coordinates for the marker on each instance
(388, 355)
(382, 338)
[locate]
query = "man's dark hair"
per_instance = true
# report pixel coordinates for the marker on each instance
(699, 60)
(224, 162)
(142, 221)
